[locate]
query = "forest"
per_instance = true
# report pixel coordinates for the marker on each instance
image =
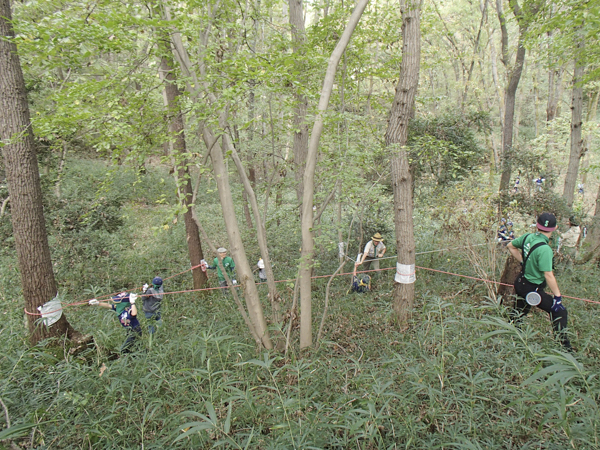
(277, 224)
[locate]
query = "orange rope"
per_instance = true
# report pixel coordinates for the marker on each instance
(289, 280)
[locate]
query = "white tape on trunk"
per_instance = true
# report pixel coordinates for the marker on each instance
(51, 311)
(405, 273)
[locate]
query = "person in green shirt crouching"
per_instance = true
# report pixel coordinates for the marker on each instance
(534, 253)
(228, 265)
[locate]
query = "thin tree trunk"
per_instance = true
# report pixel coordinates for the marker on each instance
(23, 179)
(576, 142)
(510, 92)
(261, 232)
(61, 168)
(475, 51)
(396, 136)
(238, 252)
(301, 102)
(178, 152)
(307, 254)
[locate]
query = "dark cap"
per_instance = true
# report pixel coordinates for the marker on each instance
(546, 222)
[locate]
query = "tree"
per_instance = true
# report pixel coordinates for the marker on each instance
(178, 152)
(22, 175)
(396, 137)
(308, 245)
(515, 70)
(301, 102)
(576, 136)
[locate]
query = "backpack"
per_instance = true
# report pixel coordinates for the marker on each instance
(361, 283)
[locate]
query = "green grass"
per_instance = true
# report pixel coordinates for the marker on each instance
(458, 377)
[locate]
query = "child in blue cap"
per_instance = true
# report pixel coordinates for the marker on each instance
(124, 305)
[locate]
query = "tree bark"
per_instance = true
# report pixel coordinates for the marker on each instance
(576, 136)
(178, 152)
(308, 245)
(397, 135)
(261, 232)
(510, 93)
(591, 245)
(23, 179)
(244, 272)
(300, 125)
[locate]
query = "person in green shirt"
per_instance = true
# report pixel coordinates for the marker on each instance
(228, 265)
(533, 251)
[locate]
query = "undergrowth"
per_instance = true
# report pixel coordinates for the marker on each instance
(458, 376)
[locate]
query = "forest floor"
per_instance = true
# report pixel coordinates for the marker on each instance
(459, 375)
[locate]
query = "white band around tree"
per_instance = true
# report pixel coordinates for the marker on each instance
(405, 273)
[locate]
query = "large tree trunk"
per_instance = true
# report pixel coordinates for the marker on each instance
(178, 152)
(22, 176)
(576, 140)
(396, 135)
(308, 245)
(300, 148)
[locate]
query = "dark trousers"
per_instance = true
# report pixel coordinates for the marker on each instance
(522, 308)
(132, 335)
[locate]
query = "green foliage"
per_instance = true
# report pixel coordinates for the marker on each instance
(445, 147)
(459, 376)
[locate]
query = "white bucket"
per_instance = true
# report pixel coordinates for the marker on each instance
(533, 298)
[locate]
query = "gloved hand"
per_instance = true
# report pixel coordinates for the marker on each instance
(234, 282)
(145, 287)
(94, 302)
(132, 298)
(557, 305)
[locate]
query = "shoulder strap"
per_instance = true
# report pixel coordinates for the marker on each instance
(539, 244)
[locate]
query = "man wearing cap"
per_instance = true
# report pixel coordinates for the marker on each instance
(533, 251)
(228, 265)
(374, 249)
(124, 305)
(152, 302)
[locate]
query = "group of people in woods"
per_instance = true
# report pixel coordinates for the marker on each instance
(532, 250)
(124, 304)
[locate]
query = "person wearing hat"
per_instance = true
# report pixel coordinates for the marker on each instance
(124, 305)
(535, 254)
(228, 265)
(262, 272)
(569, 240)
(152, 301)
(374, 249)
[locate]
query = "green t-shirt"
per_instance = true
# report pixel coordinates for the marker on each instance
(540, 260)
(229, 266)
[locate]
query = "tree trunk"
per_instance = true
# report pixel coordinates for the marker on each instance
(261, 232)
(307, 254)
(510, 93)
(576, 141)
(23, 179)
(178, 152)
(509, 275)
(396, 135)
(591, 245)
(587, 141)
(244, 272)
(300, 131)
